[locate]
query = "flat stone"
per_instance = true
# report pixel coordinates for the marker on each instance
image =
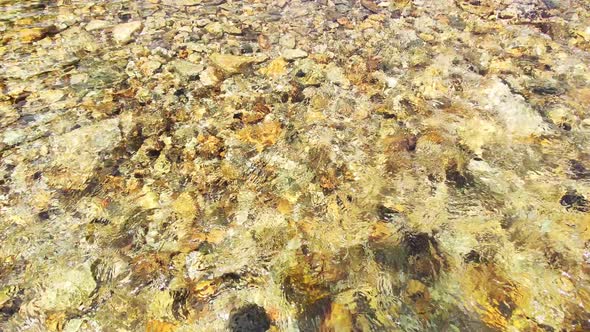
(232, 29)
(186, 68)
(234, 64)
(370, 5)
(33, 34)
(76, 153)
(214, 28)
(287, 41)
(149, 67)
(202, 22)
(182, 2)
(97, 25)
(51, 96)
(122, 33)
(79, 78)
(14, 137)
(336, 75)
(292, 54)
(209, 77)
(275, 68)
(519, 118)
(67, 289)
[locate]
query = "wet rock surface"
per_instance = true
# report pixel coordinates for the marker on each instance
(250, 318)
(290, 165)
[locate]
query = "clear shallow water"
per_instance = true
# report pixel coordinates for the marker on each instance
(294, 166)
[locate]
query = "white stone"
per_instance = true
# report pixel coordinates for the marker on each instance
(336, 75)
(67, 289)
(77, 153)
(292, 54)
(122, 33)
(97, 25)
(287, 41)
(518, 117)
(209, 77)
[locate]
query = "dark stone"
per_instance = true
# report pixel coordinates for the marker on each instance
(246, 49)
(311, 317)
(27, 119)
(43, 215)
(546, 90)
(21, 99)
(249, 318)
(153, 153)
(506, 309)
(179, 304)
(386, 214)
(457, 22)
(10, 307)
(205, 247)
(389, 257)
(472, 257)
(573, 200)
(377, 98)
(101, 221)
(456, 177)
(410, 143)
(578, 171)
(417, 243)
(125, 17)
(230, 277)
(551, 4)
(179, 92)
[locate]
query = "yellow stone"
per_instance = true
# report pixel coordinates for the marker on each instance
(159, 326)
(284, 206)
(234, 64)
(228, 171)
(426, 37)
(340, 319)
(149, 200)
(24, 21)
(31, 35)
(275, 68)
(262, 135)
(314, 116)
(205, 288)
(415, 287)
(55, 321)
(185, 206)
(216, 235)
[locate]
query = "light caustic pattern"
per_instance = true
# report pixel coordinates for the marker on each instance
(336, 165)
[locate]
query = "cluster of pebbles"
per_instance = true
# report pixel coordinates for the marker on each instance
(292, 165)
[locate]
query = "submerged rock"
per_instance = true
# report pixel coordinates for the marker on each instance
(75, 155)
(186, 68)
(97, 25)
(395, 165)
(122, 33)
(32, 34)
(249, 318)
(67, 289)
(292, 54)
(234, 64)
